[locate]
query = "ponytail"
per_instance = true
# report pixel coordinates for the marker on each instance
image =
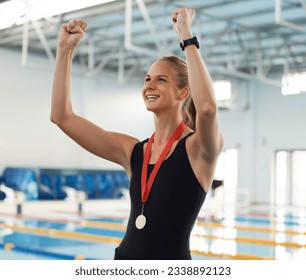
(189, 113)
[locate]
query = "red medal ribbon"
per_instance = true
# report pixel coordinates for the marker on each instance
(146, 186)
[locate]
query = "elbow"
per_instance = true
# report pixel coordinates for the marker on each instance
(61, 118)
(57, 119)
(53, 118)
(208, 111)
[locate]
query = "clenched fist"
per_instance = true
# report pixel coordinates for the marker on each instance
(71, 33)
(182, 20)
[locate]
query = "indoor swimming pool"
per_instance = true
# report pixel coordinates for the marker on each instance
(254, 235)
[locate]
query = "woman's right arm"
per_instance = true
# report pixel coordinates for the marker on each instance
(111, 146)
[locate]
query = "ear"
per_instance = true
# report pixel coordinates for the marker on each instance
(183, 93)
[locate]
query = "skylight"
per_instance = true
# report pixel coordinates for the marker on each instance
(18, 11)
(223, 90)
(294, 83)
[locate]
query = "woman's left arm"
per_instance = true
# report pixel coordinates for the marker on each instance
(208, 139)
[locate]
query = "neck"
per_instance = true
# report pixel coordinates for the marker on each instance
(165, 127)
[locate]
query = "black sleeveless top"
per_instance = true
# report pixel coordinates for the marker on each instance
(174, 202)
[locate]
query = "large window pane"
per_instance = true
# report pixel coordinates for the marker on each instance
(299, 178)
(290, 178)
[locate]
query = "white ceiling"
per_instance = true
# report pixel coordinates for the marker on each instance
(239, 38)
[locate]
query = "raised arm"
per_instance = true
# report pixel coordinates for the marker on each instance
(111, 146)
(208, 141)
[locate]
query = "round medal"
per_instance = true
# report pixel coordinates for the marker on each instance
(140, 221)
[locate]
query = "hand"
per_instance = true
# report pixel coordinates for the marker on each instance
(71, 33)
(182, 19)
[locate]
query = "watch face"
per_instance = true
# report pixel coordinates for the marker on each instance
(182, 45)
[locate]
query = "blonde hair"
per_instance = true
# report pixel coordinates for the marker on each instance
(182, 80)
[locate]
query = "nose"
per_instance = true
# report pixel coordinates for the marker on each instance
(149, 84)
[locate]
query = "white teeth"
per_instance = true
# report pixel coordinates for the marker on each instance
(149, 97)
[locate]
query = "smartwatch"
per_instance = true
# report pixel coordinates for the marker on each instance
(188, 42)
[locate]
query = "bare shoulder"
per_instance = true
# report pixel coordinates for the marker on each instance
(202, 166)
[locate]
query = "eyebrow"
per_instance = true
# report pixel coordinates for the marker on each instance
(159, 76)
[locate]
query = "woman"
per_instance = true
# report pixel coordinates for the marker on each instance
(171, 173)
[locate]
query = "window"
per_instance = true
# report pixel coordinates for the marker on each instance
(290, 178)
(294, 83)
(223, 90)
(227, 170)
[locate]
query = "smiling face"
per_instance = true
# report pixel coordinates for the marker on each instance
(160, 89)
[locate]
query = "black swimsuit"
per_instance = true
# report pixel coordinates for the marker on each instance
(171, 209)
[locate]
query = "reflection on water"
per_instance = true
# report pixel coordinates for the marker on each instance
(258, 235)
(281, 235)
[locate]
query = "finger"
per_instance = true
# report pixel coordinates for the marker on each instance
(84, 25)
(76, 25)
(77, 29)
(78, 22)
(192, 12)
(174, 16)
(71, 24)
(64, 26)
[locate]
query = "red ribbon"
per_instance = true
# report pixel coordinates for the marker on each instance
(146, 186)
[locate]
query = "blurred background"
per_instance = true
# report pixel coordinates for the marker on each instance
(72, 204)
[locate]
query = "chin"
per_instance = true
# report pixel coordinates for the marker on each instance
(150, 109)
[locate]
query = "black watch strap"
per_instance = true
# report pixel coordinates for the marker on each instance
(188, 42)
